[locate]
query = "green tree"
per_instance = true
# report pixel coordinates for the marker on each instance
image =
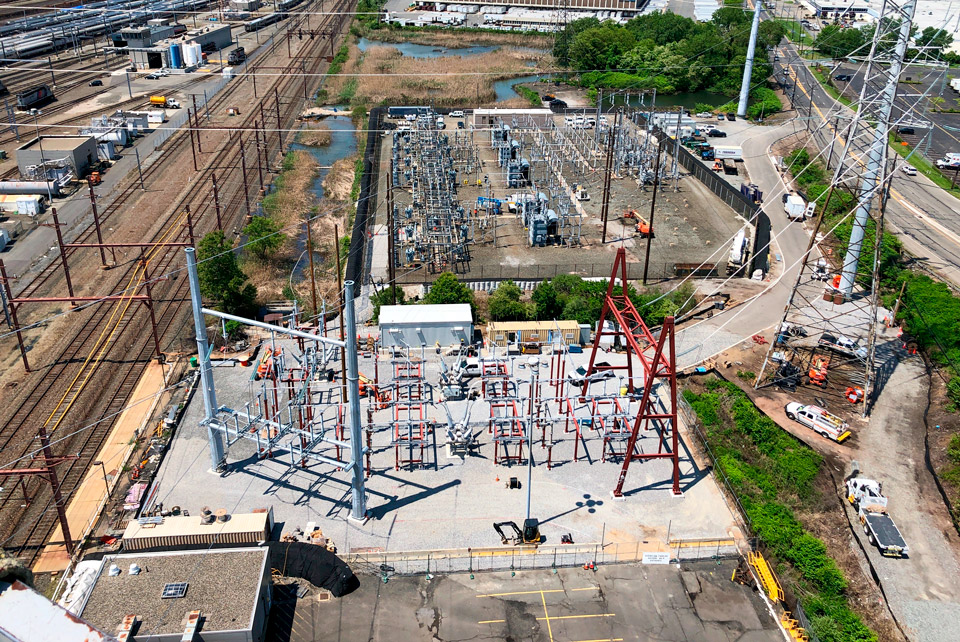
(547, 302)
(838, 42)
(600, 47)
(505, 304)
(263, 236)
(221, 279)
(448, 289)
(561, 44)
(770, 34)
(385, 297)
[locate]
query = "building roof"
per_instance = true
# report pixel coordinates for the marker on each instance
(521, 326)
(56, 143)
(187, 526)
(28, 615)
(498, 112)
(423, 314)
(224, 585)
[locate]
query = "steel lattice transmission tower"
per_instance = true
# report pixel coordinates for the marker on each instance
(827, 334)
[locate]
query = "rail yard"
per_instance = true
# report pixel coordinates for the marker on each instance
(301, 343)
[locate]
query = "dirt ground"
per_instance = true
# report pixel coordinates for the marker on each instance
(314, 136)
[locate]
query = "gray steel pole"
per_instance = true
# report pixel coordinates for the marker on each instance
(876, 157)
(533, 363)
(748, 67)
(217, 457)
(359, 511)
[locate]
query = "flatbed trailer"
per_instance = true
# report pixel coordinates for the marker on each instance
(882, 532)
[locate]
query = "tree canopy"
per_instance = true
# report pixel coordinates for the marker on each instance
(666, 51)
(263, 236)
(448, 289)
(221, 279)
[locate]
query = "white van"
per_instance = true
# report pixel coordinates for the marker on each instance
(819, 420)
(456, 114)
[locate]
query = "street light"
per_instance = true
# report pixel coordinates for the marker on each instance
(105, 482)
(36, 113)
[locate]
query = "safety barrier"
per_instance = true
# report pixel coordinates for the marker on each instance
(514, 558)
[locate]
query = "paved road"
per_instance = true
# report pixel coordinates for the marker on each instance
(921, 214)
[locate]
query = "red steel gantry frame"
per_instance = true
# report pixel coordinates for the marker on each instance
(658, 359)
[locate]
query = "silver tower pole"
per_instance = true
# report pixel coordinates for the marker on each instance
(217, 458)
(876, 156)
(359, 511)
(748, 67)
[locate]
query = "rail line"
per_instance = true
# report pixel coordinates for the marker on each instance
(170, 299)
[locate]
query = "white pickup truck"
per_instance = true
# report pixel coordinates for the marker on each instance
(819, 420)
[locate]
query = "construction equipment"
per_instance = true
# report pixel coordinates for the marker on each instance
(819, 366)
(867, 497)
(642, 227)
(530, 535)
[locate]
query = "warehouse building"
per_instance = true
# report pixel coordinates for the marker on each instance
(216, 596)
(182, 51)
(425, 325)
(77, 152)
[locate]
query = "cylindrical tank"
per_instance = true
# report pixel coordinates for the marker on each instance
(191, 55)
(29, 187)
(176, 58)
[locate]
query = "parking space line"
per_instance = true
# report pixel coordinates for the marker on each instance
(491, 621)
(555, 617)
(588, 588)
(602, 640)
(546, 615)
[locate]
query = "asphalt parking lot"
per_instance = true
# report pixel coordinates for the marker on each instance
(692, 602)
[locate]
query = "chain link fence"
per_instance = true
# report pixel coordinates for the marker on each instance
(540, 272)
(477, 560)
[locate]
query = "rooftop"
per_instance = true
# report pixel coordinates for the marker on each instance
(56, 143)
(28, 615)
(223, 585)
(448, 313)
(190, 526)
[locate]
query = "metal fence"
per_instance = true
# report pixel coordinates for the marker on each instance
(540, 272)
(477, 560)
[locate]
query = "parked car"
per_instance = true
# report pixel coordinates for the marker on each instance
(909, 170)
(96, 83)
(717, 133)
(458, 113)
(843, 345)
(151, 76)
(704, 114)
(843, 77)
(908, 131)
(731, 116)
(720, 117)
(459, 124)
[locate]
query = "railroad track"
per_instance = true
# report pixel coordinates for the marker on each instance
(170, 297)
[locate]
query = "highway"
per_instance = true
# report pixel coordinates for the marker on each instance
(922, 215)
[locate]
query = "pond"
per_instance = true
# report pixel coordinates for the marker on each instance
(413, 50)
(343, 144)
(504, 88)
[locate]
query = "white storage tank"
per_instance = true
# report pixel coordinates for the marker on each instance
(191, 55)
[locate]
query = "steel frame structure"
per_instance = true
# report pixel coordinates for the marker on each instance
(657, 357)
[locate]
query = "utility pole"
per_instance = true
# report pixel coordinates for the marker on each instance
(313, 279)
(748, 67)
(653, 205)
(605, 202)
(243, 168)
(216, 200)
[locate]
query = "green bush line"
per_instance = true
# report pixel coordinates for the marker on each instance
(532, 96)
(772, 474)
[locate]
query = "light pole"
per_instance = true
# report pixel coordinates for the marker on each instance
(36, 113)
(105, 482)
(534, 365)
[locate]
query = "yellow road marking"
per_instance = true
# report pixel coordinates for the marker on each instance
(546, 615)
(602, 640)
(554, 617)
(589, 588)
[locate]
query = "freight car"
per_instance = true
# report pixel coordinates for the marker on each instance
(267, 20)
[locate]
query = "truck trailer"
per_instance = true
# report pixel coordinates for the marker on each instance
(867, 497)
(737, 260)
(723, 151)
(163, 101)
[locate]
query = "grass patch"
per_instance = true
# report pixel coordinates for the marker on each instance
(529, 94)
(827, 83)
(315, 136)
(923, 166)
(795, 32)
(772, 475)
